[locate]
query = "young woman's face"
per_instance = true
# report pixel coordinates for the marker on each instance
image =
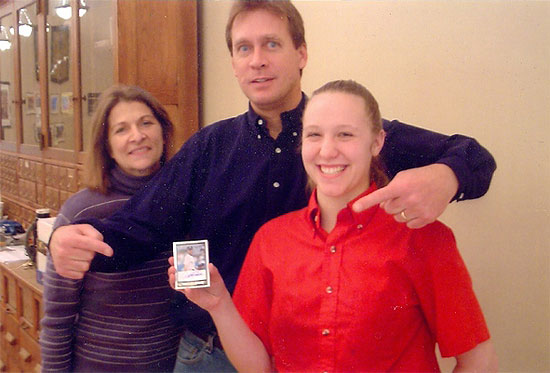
(338, 144)
(135, 138)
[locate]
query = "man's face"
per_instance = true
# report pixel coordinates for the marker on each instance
(265, 61)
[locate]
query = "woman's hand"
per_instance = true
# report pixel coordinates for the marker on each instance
(244, 349)
(207, 298)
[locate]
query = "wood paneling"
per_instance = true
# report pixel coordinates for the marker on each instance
(164, 58)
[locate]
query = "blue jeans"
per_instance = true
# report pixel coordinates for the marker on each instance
(196, 355)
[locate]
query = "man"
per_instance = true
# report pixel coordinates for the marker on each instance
(236, 174)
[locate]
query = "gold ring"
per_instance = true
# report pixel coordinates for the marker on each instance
(404, 216)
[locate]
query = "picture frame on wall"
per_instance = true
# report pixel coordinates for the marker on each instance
(35, 49)
(59, 56)
(93, 98)
(57, 132)
(37, 103)
(29, 103)
(5, 103)
(67, 102)
(37, 130)
(54, 104)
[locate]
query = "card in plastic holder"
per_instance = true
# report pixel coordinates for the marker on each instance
(191, 263)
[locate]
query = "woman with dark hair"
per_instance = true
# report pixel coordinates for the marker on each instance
(113, 321)
(329, 289)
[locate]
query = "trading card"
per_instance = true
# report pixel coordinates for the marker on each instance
(191, 263)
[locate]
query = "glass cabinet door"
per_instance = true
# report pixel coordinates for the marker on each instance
(7, 83)
(60, 85)
(97, 29)
(30, 84)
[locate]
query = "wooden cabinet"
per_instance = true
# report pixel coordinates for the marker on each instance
(20, 313)
(51, 77)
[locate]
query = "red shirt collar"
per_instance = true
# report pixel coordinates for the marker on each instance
(346, 216)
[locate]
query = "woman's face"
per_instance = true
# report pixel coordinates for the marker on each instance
(135, 138)
(338, 144)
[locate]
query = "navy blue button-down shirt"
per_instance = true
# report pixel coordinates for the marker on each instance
(232, 176)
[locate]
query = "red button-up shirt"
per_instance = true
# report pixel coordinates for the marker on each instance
(372, 295)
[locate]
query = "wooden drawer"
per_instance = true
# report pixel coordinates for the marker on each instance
(32, 311)
(2, 291)
(20, 313)
(10, 336)
(29, 353)
(3, 355)
(9, 292)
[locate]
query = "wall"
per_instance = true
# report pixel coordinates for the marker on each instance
(477, 68)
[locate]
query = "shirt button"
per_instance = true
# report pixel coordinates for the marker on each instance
(276, 184)
(359, 226)
(278, 150)
(294, 133)
(259, 136)
(260, 121)
(333, 249)
(325, 332)
(329, 289)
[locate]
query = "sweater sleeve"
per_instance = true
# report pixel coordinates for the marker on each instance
(407, 147)
(61, 299)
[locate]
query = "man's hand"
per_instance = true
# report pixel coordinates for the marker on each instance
(417, 196)
(73, 247)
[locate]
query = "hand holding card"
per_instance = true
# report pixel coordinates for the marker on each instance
(206, 298)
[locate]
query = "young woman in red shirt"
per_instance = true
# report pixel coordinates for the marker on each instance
(328, 289)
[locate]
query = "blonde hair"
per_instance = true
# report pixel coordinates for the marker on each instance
(98, 162)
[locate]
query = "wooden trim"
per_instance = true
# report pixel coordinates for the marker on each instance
(43, 75)
(9, 146)
(18, 100)
(6, 10)
(126, 70)
(77, 81)
(188, 77)
(81, 157)
(66, 155)
(24, 3)
(27, 149)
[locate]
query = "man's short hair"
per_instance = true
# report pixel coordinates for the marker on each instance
(282, 8)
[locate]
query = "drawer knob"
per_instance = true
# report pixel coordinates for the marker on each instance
(24, 324)
(10, 338)
(24, 355)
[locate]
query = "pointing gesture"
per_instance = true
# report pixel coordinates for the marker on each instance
(73, 247)
(416, 197)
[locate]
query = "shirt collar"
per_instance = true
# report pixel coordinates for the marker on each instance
(292, 119)
(346, 216)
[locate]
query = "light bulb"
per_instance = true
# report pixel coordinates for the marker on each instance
(64, 12)
(25, 30)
